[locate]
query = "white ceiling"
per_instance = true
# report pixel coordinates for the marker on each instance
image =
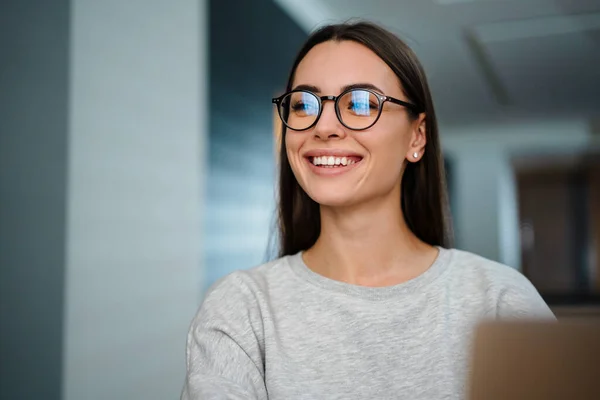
(489, 60)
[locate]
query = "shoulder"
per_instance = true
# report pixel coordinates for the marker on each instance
(237, 304)
(508, 289)
(246, 287)
(483, 271)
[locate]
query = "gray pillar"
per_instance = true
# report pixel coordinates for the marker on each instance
(137, 120)
(34, 43)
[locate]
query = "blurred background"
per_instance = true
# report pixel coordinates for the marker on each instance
(137, 164)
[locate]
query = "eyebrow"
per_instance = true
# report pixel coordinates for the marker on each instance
(364, 85)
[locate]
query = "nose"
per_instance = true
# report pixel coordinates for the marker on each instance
(328, 126)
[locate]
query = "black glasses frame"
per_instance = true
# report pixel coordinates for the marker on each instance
(380, 97)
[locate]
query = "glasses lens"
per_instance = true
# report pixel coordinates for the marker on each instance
(359, 109)
(299, 110)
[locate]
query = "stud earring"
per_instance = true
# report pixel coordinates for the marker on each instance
(416, 155)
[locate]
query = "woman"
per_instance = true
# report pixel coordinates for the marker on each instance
(367, 301)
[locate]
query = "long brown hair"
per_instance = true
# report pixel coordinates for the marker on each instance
(424, 198)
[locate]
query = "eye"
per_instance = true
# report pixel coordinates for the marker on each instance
(300, 106)
(362, 108)
(360, 103)
(303, 103)
(305, 108)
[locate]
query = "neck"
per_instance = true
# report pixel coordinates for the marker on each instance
(368, 244)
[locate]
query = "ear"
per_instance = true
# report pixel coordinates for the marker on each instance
(418, 139)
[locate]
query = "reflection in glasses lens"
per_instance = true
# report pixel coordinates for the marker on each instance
(301, 109)
(356, 109)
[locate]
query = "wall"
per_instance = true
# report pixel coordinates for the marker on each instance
(34, 41)
(136, 157)
(486, 219)
(252, 46)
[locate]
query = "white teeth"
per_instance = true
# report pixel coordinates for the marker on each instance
(332, 161)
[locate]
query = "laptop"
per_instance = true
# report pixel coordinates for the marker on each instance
(536, 360)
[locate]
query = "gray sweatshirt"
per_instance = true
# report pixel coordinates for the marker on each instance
(281, 331)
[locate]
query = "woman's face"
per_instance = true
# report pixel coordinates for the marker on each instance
(378, 153)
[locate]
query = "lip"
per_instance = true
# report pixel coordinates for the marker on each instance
(331, 152)
(335, 171)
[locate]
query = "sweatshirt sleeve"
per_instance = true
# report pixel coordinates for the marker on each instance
(224, 355)
(519, 299)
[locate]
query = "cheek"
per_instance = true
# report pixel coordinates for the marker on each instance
(293, 143)
(388, 148)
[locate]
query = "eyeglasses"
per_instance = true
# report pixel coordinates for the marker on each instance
(356, 109)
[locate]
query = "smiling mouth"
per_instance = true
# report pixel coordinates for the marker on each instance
(334, 162)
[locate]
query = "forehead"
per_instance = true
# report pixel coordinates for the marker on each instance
(332, 65)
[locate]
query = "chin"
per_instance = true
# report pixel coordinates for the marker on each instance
(330, 198)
